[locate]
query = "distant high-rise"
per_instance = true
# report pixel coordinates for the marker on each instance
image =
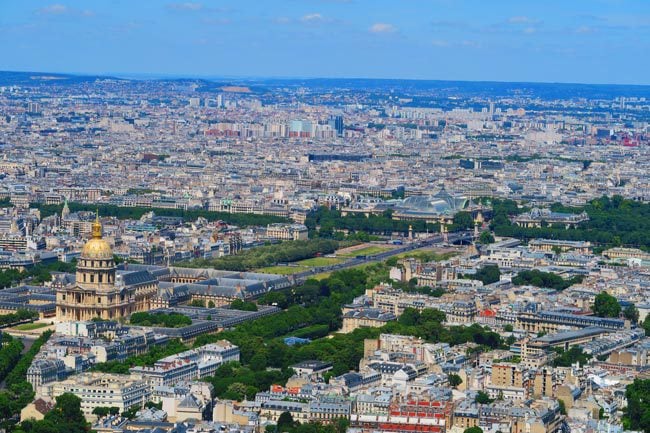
(336, 123)
(300, 128)
(34, 108)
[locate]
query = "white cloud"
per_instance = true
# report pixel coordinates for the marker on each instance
(520, 20)
(440, 43)
(55, 9)
(186, 6)
(382, 28)
(584, 30)
(312, 18)
(282, 20)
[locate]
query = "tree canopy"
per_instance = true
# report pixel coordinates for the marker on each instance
(260, 257)
(546, 280)
(134, 212)
(613, 221)
(330, 220)
(65, 417)
(637, 416)
(487, 274)
(606, 305)
(165, 320)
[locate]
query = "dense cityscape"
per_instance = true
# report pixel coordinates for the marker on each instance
(306, 255)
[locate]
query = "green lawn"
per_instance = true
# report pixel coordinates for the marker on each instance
(303, 265)
(320, 261)
(367, 251)
(30, 326)
(281, 270)
(321, 276)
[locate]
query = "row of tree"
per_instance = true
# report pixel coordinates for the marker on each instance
(287, 424)
(324, 222)
(166, 320)
(270, 255)
(18, 392)
(17, 317)
(108, 210)
(172, 347)
(38, 274)
(9, 354)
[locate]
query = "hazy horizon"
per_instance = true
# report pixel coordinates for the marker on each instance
(585, 41)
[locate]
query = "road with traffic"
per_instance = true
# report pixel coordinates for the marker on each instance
(361, 260)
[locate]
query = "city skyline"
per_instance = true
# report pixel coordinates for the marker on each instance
(580, 42)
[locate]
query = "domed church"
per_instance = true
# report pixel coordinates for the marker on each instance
(101, 292)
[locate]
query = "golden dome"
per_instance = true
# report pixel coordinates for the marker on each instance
(97, 248)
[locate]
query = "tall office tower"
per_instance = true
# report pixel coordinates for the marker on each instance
(34, 108)
(219, 101)
(491, 108)
(195, 102)
(336, 123)
(300, 128)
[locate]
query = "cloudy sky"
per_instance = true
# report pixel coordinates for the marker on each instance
(587, 41)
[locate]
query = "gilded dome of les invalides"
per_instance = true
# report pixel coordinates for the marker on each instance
(97, 248)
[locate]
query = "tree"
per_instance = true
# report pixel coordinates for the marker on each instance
(259, 361)
(508, 328)
(549, 280)
(570, 357)
(637, 416)
(606, 305)
(488, 274)
(560, 402)
(473, 430)
(410, 317)
(482, 398)
(238, 304)
(67, 410)
(100, 411)
(341, 425)
(631, 313)
(646, 325)
(285, 421)
(197, 303)
(463, 221)
(454, 380)
(486, 238)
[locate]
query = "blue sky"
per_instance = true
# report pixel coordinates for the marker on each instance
(586, 41)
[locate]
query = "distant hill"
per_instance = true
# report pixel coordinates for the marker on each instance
(473, 88)
(440, 88)
(10, 78)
